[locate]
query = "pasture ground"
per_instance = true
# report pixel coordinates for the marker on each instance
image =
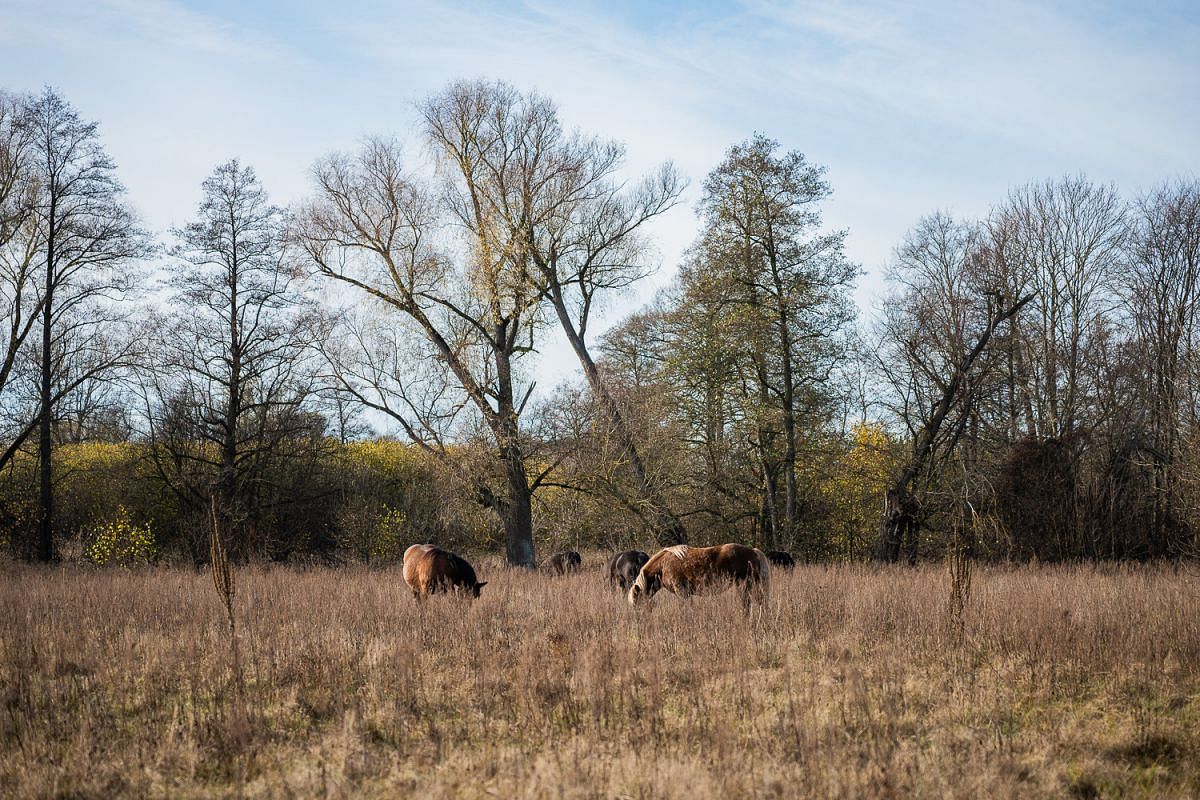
(1071, 681)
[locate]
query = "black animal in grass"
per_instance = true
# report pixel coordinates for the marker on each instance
(623, 568)
(781, 558)
(564, 563)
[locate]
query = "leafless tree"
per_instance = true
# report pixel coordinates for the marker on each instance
(934, 349)
(554, 202)
(462, 288)
(87, 238)
(1160, 285)
(19, 264)
(231, 383)
(1061, 241)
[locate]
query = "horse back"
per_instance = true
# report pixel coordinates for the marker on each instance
(699, 566)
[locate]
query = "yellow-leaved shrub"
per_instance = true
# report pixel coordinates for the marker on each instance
(121, 541)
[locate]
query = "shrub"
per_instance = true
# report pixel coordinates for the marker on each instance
(120, 541)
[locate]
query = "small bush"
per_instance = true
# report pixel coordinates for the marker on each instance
(120, 541)
(387, 545)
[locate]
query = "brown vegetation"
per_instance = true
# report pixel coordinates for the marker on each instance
(1080, 681)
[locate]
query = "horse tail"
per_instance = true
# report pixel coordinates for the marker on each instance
(764, 574)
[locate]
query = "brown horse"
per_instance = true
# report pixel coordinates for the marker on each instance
(688, 570)
(429, 569)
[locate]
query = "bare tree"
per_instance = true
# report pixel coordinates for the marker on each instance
(934, 351)
(87, 237)
(463, 289)
(1063, 242)
(231, 382)
(19, 263)
(554, 201)
(1160, 285)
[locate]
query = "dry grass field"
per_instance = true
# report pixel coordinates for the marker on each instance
(1074, 681)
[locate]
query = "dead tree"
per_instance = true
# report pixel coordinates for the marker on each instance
(902, 509)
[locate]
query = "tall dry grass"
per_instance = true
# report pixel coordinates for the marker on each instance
(1079, 681)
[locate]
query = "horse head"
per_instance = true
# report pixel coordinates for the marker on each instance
(645, 587)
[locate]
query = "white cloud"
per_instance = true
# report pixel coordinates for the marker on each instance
(942, 105)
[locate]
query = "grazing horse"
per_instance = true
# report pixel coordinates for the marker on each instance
(688, 570)
(623, 568)
(429, 569)
(562, 563)
(781, 558)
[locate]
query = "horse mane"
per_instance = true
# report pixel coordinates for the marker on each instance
(678, 550)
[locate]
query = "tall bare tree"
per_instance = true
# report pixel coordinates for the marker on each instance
(462, 288)
(553, 200)
(1063, 241)
(1160, 284)
(86, 236)
(19, 264)
(231, 379)
(935, 351)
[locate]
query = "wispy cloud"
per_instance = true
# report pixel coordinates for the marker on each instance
(912, 106)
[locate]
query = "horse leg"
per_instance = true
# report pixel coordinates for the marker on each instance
(684, 591)
(743, 590)
(751, 592)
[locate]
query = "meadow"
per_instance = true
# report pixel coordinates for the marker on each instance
(1078, 681)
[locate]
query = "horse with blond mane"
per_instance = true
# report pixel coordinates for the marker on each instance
(688, 571)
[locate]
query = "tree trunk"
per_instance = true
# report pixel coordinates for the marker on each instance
(518, 512)
(668, 529)
(789, 403)
(901, 508)
(901, 521)
(769, 506)
(228, 480)
(45, 543)
(790, 512)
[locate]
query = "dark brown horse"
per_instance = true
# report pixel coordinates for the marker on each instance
(688, 570)
(429, 569)
(781, 558)
(562, 563)
(623, 568)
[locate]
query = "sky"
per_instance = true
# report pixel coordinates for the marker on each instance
(912, 107)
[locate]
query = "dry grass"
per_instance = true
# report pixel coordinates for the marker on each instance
(1068, 681)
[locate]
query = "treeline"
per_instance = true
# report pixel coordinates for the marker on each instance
(1028, 389)
(1068, 317)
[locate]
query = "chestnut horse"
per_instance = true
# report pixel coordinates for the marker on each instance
(429, 569)
(688, 570)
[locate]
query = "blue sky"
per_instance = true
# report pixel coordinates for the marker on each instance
(913, 107)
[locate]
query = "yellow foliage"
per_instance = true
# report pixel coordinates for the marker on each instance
(854, 487)
(385, 456)
(120, 541)
(95, 455)
(390, 537)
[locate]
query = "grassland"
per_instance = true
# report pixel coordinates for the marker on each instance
(1074, 681)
